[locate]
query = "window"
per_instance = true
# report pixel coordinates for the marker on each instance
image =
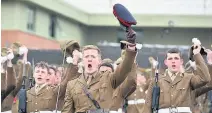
(31, 19)
(52, 26)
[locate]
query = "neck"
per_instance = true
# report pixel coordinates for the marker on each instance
(89, 74)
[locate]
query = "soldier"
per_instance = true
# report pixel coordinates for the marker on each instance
(7, 75)
(10, 101)
(100, 86)
(43, 97)
(137, 99)
(119, 101)
(175, 87)
(201, 93)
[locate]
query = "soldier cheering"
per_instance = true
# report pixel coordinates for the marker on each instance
(176, 87)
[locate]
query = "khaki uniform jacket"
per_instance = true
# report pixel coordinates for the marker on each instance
(178, 92)
(45, 99)
(198, 94)
(124, 90)
(101, 88)
(9, 104)
(7, 83)
(140, 93)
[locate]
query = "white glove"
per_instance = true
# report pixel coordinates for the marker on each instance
(9, 63)
(22, 50)
(2, 69)
(193, 64)
(139, 46)
(155, 64)
(3, 59)
(69, 60)
(10, 56)
(196, 41)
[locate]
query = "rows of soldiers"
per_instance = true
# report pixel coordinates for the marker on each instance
(88, 84)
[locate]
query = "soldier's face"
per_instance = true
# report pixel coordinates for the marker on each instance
(173, 62)
(58, 77)
(40, 75)
(141, 79)
(51, 77)
(105, 68)
(91, 60)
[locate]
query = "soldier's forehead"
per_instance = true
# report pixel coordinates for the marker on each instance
(173, 54)
(40, 68)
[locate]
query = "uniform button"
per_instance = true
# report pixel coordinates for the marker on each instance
(36, 103)
(172, 86)
(134, 94)
(183, 88)
(36, 110)
(172, 95)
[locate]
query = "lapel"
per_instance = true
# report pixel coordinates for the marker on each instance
(32, 91)
(167, 77)
(81, 79)
(95, 80)
(177, 79)
(42, 90)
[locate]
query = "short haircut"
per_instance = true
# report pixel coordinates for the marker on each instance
(173, 50)
(53, 68)
(107, 65)
(43, 65)
(92, 47)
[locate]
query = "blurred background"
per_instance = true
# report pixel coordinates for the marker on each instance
(162, 24)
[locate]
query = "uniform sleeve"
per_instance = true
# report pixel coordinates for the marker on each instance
(148, 100)
(68, 106)
(3, 81)
(205, 88)
(19, 80)
(10, 77)
(202, 77)
(129, 84)
(70, 73)
(123, 69)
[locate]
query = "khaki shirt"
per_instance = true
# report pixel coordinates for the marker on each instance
(45, 99)
(178, 92)
(101, 88)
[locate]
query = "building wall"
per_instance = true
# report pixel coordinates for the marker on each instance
(7, 15)
(176, 36)
(14, 16)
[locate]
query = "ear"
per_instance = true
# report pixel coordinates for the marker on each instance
(165, 62)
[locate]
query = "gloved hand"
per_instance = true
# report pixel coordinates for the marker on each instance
(131, 36)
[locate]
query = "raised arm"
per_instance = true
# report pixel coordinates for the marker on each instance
(202, 77)
(123, 69)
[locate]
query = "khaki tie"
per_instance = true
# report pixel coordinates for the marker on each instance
(173, 76)
(89, 79)
(37, 89)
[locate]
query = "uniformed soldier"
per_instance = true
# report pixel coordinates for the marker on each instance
(137, 99)
(7, 75)
(175, 87)
(91, 82)
(200, 94)
(10, 101)
(120, 94)
(42, 97)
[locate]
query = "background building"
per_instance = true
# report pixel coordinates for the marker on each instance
(40, 24)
